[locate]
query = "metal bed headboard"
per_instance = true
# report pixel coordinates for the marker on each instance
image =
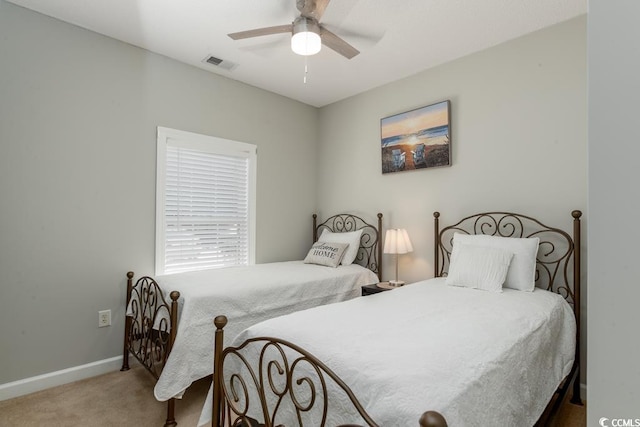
(370, 251)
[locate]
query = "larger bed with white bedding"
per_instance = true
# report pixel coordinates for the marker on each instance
(477, 357)
(427, 343)
(174, 340)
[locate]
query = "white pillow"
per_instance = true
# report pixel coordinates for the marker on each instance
(478, 267)
(522, 271)
(351, 237)
(329, 254)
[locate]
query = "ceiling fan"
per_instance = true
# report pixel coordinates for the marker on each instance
(307, 34)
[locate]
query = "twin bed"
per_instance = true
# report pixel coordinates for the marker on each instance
(168, 325)
(467, 351)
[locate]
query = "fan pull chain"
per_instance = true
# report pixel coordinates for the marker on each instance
(306, 69)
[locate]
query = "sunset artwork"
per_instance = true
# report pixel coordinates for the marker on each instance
(416, 139)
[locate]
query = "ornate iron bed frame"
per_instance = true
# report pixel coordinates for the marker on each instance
(151, 321)
(554, 272)
(280, 376)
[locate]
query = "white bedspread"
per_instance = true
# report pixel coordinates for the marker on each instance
(479, 358)
(246, 295)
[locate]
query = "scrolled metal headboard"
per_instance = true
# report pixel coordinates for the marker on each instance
(370, 251)
(554, 270)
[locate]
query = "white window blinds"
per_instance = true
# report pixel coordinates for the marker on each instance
(207, 203)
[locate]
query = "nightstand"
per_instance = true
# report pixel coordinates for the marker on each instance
(373, 289)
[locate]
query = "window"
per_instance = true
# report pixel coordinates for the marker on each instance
(205, 202)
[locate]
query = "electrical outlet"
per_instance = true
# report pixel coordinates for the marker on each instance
(104, 318)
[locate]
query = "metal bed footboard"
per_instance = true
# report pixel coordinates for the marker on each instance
(150, 329)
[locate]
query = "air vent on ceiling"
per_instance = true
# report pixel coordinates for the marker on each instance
(220, 63)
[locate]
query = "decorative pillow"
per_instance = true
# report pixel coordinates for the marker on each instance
(329, 254)
(478, 267)
(350, 237)
(522, 271)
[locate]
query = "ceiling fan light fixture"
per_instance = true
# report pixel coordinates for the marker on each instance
(306, 37)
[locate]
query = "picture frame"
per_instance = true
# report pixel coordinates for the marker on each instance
(417, 139)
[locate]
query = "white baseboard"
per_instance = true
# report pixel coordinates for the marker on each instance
(52, 379)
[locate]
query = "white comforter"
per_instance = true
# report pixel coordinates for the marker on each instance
(479, 358)
(246, 295)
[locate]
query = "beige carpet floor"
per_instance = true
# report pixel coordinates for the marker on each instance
(114, 399)
(126, 399)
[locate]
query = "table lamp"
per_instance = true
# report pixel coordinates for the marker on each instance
(396, 242)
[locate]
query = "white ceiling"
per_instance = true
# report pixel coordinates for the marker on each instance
(396, 38)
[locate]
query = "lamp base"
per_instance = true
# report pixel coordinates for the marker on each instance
(396, 283)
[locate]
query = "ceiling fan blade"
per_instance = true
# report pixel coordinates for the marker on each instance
(363, 39)
(336, 43)
(262, 32)
(267, 47)
(321, 6)
(312, 8)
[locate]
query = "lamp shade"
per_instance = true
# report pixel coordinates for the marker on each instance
(396, 241)
(306, 37)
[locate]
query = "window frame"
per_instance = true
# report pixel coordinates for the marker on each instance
(209, 144)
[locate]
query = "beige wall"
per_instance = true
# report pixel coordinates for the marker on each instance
(78, 118)
(614, 270)
(518, 134)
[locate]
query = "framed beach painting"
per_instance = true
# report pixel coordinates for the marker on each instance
(417, 139)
